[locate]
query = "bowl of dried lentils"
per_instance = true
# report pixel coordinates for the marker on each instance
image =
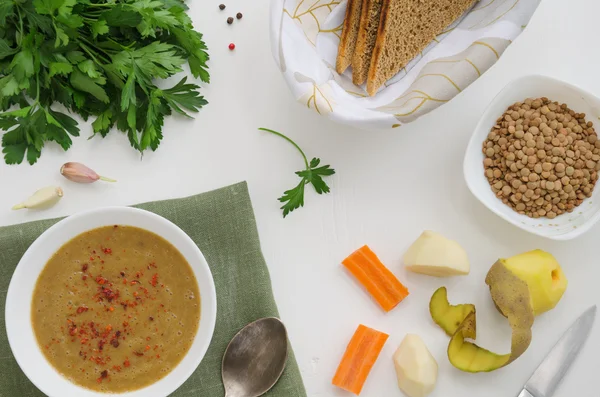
(534, 158)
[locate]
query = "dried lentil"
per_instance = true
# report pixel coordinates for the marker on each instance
(541, 158)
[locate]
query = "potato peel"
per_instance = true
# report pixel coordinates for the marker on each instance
(447, 316)
(511, 296)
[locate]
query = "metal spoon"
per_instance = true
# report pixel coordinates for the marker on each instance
(255, 358)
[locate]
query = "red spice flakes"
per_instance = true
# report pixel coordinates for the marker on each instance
(138, 354)
(101, 280)
(103, 375)
(108, 293)
(147, 347)
(92, 258)
(107, 251)
(109, 327)
(98, 360)
(147, 338)
(122, 274)
(111, 309)
(94, 252)
(154, 280)
(84, 267)
(101, 343)
(158, 356)
(151, 318)
(155, 347)
(126, 363)
(117, 368)
(138, 274)
(114, 343)
(134, 282)
(82, 309)
(94, 330)
(84, 277)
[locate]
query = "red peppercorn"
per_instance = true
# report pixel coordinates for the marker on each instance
(232, 46)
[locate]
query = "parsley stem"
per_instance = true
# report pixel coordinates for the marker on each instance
(20, 38)
(37, 80)
(290, 141)
(89, 52)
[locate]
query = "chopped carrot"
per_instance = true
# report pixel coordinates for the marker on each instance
(376, 278)
(360, 356)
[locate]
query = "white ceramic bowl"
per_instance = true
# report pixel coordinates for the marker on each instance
(563, 227)
(18, 301)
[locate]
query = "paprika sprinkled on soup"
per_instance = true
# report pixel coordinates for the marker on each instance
(116, 309)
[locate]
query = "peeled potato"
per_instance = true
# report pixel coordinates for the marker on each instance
(435, 255)
(415, 367)
(544, 277)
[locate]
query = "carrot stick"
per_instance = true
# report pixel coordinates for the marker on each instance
(376, 278)
(359, 358)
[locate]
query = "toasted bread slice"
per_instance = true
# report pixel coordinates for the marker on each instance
(367, 35)
(406, 27)
(349, 34)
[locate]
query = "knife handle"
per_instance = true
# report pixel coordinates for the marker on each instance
(525, 393)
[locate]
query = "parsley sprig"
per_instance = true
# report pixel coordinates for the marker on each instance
(99, 59)
(312, 174)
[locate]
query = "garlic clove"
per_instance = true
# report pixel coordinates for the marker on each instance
(43, 198)
(79, 173)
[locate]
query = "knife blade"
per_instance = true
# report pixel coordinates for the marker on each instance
(547, 377)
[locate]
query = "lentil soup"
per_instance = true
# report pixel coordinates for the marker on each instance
(116, 309)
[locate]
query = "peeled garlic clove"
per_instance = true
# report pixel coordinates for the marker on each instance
(79, 173)
(43, 198)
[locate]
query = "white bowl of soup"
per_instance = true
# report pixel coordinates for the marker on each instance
(116, 300)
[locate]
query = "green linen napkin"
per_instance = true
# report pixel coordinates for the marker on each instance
(222, 224)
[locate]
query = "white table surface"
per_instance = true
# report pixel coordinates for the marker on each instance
(389, 187)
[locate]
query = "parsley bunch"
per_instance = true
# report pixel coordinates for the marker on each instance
(99, 59)
(312, 174)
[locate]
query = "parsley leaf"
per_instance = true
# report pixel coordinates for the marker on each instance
(100, 59)
(313, 174)
(184, 96)
(121, 16)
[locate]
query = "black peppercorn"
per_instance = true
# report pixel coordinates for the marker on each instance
(239, 15)
(230, 20)
(222, 6)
